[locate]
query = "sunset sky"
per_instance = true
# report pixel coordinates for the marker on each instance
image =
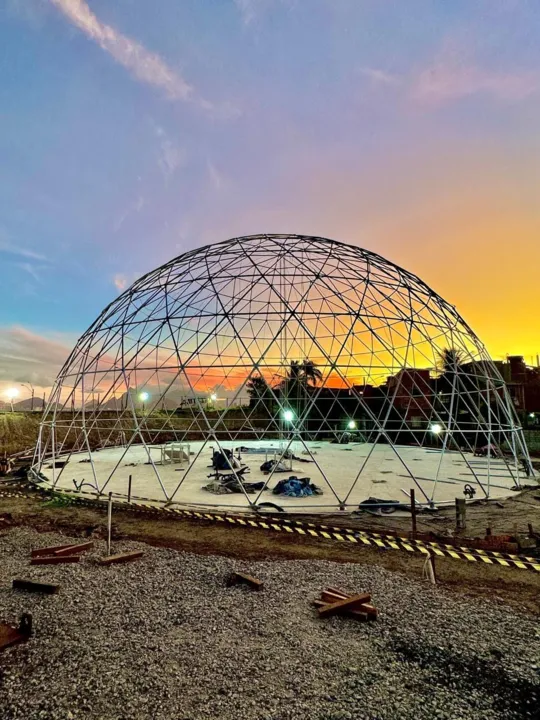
(132, 131)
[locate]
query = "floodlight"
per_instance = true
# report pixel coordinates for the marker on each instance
(288, 415)
(351, 425)
(436, 429)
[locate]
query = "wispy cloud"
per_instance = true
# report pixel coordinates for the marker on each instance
(452, 77)
(11, 249)
(380, 77)
(143, 64)
(30, 269)
(24, 259)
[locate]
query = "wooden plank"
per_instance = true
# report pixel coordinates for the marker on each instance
(370, 610)
(74, 549)
(31, 586)
(55, 560)
(356, 614)
(330, 597)
(336, 591)
(48, 550)
(121, 558)
(237, 577)
(350, 603)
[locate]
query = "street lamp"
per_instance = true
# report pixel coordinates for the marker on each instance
(351, 425)
(143, 397)
(213, 397)
(12, 393)
(288, 415)
(31, 388)
(436, 429)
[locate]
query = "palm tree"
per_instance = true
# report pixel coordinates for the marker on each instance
(305, 372)
(458, 390)
(311, 372)
(295, 371)
(449, 361)
(296, 385)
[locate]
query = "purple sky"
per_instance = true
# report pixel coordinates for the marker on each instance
(132, 131)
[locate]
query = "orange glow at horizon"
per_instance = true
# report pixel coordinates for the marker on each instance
(462, 216)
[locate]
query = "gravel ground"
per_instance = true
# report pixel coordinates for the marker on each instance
(164, 638)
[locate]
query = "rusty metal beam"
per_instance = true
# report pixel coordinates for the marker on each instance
(74, 549)
(12, 636)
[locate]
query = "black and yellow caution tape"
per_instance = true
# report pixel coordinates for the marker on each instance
(324, 532)
(376, 540)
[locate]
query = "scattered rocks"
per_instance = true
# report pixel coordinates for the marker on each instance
(164, 638)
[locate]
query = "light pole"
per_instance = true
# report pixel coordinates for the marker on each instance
(32, 390)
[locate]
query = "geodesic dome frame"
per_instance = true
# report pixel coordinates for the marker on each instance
(279, 342)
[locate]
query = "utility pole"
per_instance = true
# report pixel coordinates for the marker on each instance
(32, 390)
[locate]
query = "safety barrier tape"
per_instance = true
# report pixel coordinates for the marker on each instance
(325, 532)
(423, 543)
(370, 539)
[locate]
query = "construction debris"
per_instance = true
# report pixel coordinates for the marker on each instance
(74, 549)
(31, 586)
(121, 558)
(416, 662)
(337, 602)
(61, 550)
(12, 635)
(241, 578)
(48, 550)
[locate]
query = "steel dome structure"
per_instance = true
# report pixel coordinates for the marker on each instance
(318, 358)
